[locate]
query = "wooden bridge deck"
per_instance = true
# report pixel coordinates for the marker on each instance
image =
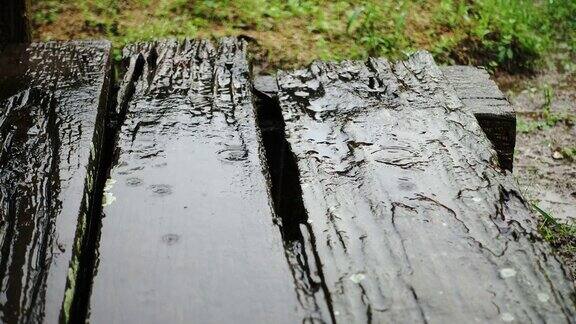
(352, 192)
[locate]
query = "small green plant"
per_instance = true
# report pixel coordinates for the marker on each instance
(569, 153)
(48, 12)
(546, 118)
(550, 117)
(526, 126)
(385, 39)
(561, 235)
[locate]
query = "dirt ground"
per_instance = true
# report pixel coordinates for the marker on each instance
(544, 161)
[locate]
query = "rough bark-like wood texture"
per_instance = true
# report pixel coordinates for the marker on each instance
(411, 220)
(481, 96)
(14, 22)
(188, 234)
(52, 106)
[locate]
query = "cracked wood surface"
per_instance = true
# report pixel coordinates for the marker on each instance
(481, 96)
(188, 233)
(53, 98)
(411, 217)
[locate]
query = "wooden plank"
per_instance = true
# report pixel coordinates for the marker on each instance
(53, 98)
(481, 96)
(14, 22)
(410, 219)
(188, 234)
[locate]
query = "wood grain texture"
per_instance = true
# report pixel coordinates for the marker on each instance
(495, 115)
(53, 98)
(411, 217)
(479, 94)
(188, 234)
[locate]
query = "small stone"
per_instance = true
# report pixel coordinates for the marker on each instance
(507, 273)
(357, 277)
(557, 155)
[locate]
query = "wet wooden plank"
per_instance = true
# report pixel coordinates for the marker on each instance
(188, 234)
(481, 96)
(410, 218)
(14, 22)
(52, 105)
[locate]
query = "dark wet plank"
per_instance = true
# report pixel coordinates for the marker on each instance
(410, 218)
(481, 96)
(52, 106)
(188, 234)
(14, 22)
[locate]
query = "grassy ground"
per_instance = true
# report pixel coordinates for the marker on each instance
(510, 35)
(561, 235)
(506, 36)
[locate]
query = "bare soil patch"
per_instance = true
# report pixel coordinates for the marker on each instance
(544, 162)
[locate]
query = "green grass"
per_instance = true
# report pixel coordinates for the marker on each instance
(561, 235)
(546, 118)
(569, 153)
(512, 35)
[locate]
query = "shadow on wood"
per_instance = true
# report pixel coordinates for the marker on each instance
(14, 22)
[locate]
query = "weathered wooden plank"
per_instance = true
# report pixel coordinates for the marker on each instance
(14, 22)
(481, 96)
(410, 219)
(188, 234)
(53, 98)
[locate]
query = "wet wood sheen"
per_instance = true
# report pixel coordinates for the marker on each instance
(411, 217)
(52, 106)
(479, 94)
(188, 234)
